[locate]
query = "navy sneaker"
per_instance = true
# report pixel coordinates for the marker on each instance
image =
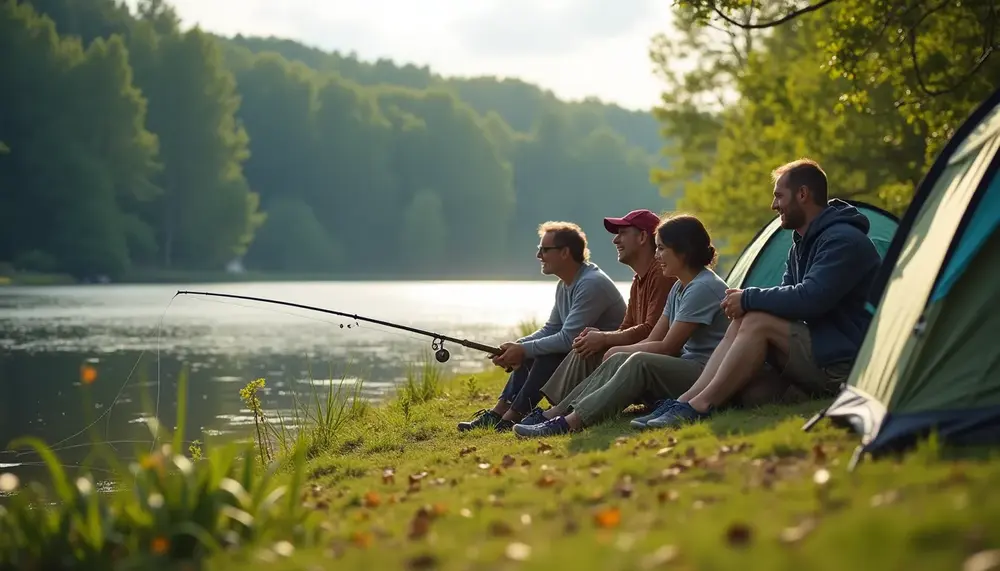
(534, 417)
(679, 414)
(661, 408)
(482, 419)
(550, 427)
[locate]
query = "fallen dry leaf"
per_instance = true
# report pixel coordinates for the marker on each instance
(660, 557)
(421, 523)
(983, 561)
(467, 450)
(388, 476)
(798, 532)
(484, 465)
(665, 450)
(608, 517)
(546, 480)
(518, 551)
(819, 455)
(544, 447)
(624, 487)
(738, 534)
(422, 562)
(667, 496)
(507, 461)
(371, 499)
(362, 539)
(884, 498)
(499, 528)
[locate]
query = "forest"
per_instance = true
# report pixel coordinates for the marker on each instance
(130, 147)
(133, 147)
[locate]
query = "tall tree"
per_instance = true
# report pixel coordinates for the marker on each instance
(207, 213)
(788, 107)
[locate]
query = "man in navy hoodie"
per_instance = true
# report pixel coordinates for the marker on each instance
(810, 327)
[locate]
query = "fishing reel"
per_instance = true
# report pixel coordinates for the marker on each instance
(440, 353)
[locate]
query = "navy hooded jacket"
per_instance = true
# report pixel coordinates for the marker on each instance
(827, 277)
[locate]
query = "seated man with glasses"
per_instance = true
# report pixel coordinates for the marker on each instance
(585, 297)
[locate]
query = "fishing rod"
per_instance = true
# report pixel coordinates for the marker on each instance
(440, 353)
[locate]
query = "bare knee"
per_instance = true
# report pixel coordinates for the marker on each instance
(758, 323)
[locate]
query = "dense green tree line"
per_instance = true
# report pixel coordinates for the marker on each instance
(870, 89)
(131, 144)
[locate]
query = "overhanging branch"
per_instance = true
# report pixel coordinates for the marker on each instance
(786, 18)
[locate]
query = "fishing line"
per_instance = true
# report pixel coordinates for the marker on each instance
(122, 388)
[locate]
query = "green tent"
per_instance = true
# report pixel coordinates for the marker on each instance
(930, 360)
(762, 262)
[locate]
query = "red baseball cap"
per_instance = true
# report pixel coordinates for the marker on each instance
(641, 219)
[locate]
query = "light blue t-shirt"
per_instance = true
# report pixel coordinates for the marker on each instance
(699, 302)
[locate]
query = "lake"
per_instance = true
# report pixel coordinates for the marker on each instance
(144, 335)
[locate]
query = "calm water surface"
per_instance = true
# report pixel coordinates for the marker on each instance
(138, 337)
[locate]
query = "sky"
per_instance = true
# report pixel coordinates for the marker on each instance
(576, 48)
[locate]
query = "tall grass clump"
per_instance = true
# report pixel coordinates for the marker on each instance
(166, 508)
(526, 327)
(313, 424)
(424, 382)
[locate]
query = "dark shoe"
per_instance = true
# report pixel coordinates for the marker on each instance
(550, 427)
(534, 417)
(661, 408)
(482, 419)
(504, 426)
(680, 414)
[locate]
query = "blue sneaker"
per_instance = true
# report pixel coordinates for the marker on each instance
(550, 427)
(661, 408)
(679, 414)
(534, 417)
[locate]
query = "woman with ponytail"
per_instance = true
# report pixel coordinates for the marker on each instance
(670, 360)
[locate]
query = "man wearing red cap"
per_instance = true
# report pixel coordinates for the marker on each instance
(650, 288)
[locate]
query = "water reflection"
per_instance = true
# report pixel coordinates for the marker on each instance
(142, 334)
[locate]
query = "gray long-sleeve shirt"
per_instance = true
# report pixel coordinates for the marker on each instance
(592, 300)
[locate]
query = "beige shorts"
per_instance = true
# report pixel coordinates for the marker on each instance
(800, 379)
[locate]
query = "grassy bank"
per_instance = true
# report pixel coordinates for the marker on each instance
(402, 489)
(396, 487)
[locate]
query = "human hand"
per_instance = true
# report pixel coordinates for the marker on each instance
(732, 304)
(511, 357)
(591, 343)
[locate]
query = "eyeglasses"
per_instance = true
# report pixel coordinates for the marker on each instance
(543, 249)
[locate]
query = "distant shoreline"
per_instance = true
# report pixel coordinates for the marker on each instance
(191, 276)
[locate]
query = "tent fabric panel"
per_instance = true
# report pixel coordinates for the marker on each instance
(762, 263)
(957, 364)
(889, 342)
(737, 276)
(982, 225)
(960, 142)
(883, 229)
(962, 427)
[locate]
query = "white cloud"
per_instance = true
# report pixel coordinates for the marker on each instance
(576, 48)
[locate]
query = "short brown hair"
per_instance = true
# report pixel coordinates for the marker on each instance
(807, 173)
(567, 235)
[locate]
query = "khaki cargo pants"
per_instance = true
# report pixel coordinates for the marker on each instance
(800, 379)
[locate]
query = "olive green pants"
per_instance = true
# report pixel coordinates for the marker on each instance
(624, 380)
(572, 371)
